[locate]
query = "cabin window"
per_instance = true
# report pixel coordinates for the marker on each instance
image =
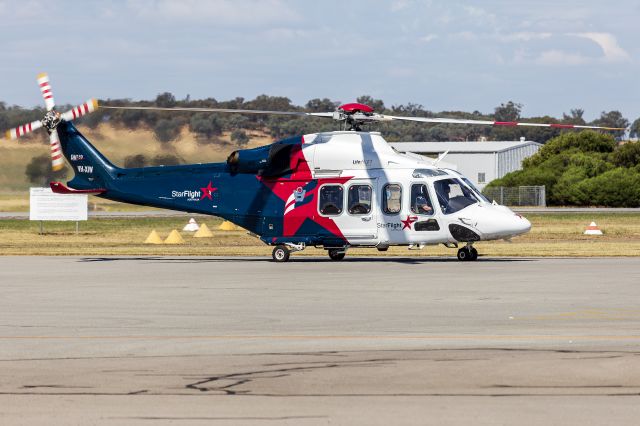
(359, 200)
(392, 198)
(420, 200)
(331, 200)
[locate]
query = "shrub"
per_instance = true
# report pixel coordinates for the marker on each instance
(240, 137)
(166, 130)
(135, 161)
(39, 170)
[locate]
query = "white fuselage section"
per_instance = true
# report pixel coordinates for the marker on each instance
(397, 199)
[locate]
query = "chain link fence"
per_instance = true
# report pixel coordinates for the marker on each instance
(529, 196)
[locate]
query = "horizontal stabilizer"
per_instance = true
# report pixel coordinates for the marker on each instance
(60, 188)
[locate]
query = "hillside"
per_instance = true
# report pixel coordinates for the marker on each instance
(117, 144)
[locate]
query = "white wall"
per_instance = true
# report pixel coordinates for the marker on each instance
(470, 164)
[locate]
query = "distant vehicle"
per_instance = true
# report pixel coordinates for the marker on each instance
(334, 190)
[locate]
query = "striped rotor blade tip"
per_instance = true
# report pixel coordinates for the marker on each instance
(57, 162)
(45, 89)
(90, 106)
(19, 131)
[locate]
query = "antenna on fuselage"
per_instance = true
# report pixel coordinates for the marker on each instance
(440, 157)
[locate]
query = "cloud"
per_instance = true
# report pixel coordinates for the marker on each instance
(559, 57)
(428, 38)
(523, 36)
(465, 36)
(217, 12)
(609, 45)
(401, 72)
(398, 5)
(480, 16)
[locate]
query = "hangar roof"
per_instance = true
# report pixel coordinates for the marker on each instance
(476, 147)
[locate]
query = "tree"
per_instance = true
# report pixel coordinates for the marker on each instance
(135, 161)
(166, 160)
(376, 104)
(239, 137)
(635, 129)
(39, 170)
(166, 130)
(205, 125)
(508, 112)
(321, 105)
(627, 155)
(585, 168)
(612, 119)
(166, 100)
(575, 117)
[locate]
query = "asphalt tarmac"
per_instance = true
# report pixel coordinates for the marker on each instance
(374, 341)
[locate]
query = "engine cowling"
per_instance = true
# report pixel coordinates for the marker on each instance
(270, 161)
(248, 160)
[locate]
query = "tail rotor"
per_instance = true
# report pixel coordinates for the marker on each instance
(51, 120)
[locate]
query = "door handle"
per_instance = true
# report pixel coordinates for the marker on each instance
(366, 219)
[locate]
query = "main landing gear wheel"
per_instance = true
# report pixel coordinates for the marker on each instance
(467, 254)
(335, 254)
(281, 253)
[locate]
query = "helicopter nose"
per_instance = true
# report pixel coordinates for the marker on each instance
(502, 223)
(518, 225)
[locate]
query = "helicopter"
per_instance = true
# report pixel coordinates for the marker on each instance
(332, 190)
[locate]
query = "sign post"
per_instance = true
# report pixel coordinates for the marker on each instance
(44, 204)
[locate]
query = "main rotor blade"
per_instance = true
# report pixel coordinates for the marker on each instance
(57, 162)
(230, 110)
(495, 123)
(45, 89)
(87, 107)
(23, 130)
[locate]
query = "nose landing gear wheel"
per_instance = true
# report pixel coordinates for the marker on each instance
(474, 254)
(281, 253)
(336, 254)
(467, 254)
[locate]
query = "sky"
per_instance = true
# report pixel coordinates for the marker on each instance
(549, 55)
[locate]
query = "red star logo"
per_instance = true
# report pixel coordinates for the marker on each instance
(207, 191)
(301, 176)
(408, 221)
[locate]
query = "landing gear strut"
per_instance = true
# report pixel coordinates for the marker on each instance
(467, 253)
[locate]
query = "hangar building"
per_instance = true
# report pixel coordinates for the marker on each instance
(481, 162)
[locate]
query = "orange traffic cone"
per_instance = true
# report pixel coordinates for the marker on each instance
(593, 229)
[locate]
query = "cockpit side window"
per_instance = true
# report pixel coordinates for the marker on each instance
(359, 199)
(420, 200)
(453, 195)
(476, 190)
(331, 200)
(391, 198)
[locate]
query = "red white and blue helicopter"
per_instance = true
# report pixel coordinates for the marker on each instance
(334, 190)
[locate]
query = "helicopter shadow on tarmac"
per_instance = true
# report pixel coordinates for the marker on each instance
(401, 260)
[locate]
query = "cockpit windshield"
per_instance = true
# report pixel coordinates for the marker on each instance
(453, 195)
(476, 190)
(470, 184)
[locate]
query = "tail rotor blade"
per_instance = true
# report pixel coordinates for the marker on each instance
(57, 162)
(87, 107)
(15, 133)
(45, 88)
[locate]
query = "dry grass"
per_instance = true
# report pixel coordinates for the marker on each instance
(552, 235)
